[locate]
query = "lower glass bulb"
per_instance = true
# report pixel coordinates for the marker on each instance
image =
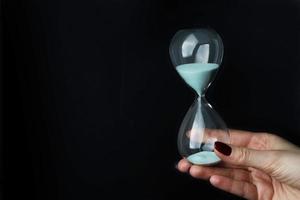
(199, 130)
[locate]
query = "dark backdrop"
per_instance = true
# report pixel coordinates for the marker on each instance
(93, 104)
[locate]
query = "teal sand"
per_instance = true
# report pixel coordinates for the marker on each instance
(204, 158)
(197, 75)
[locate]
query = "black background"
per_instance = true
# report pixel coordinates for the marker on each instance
(93, 104)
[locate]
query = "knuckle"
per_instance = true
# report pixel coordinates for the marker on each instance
(242, 156)
(271, 161)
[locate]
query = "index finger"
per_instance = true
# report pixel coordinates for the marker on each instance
(247, 139)
(242, 138)
(236, 137)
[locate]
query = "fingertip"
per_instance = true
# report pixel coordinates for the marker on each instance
(222, 157)
(215, 180)
(196, 171)
(223, 148)
(183, 166)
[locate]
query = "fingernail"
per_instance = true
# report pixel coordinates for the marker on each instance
(223, 148)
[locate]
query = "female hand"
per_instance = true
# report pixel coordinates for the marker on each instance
(255, 166)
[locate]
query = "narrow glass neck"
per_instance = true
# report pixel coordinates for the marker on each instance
(201, 93)
(202, 99)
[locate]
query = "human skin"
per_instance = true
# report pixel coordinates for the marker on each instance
(255, 166)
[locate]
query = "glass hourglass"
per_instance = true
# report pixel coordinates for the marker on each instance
(197, 55)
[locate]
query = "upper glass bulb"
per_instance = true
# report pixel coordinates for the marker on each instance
(196, 55)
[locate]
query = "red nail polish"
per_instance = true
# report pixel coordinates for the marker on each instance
(223, 148)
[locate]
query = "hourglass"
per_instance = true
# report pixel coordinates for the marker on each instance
(197, 55)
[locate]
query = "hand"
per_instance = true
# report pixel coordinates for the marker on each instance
(255, 166)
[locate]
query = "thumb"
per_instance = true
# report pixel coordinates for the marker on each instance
(259, 159)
